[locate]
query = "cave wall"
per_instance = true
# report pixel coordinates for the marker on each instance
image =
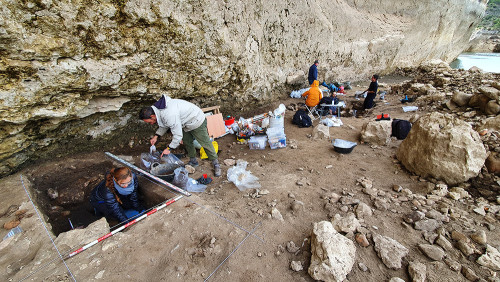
(67, 65)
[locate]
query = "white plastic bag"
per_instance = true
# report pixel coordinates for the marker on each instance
(333, 121)
(280, 110)
(265, 122)
(183, 181)
(410, 108)
(298, 93)
(242, 178)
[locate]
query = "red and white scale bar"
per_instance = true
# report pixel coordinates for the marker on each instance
(170, 201)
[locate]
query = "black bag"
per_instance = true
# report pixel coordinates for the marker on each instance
(400, 128)
(302, 119)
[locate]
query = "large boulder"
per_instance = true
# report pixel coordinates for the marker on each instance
(443, 147)
(332, 255)
(377, 132)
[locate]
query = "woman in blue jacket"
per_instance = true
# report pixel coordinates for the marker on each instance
(116, 196)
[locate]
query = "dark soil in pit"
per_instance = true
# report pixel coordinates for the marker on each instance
(62, 189)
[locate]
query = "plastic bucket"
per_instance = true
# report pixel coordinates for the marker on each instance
(229, 121)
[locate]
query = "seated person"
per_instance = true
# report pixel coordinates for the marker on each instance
(330, 110)
(313, 95)
(371, 92)
(116, 196)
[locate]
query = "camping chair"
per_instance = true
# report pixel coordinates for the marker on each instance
(313, 112)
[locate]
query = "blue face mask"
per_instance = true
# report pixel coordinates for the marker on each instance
(124, 191)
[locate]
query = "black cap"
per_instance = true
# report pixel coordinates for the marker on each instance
(316, 62)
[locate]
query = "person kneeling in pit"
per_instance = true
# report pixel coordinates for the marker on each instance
(187, 122)
(116, 196)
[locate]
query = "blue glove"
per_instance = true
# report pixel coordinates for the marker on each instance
(131, 213)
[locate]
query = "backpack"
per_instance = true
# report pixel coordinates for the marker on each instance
(400, 128)
(302, 119)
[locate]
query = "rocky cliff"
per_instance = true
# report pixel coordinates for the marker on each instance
(74, 72)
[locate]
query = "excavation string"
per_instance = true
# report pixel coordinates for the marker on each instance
(172, 188)
(66, 255)
(132, 222)
(235, 249)
(46, 230)
(119, 224)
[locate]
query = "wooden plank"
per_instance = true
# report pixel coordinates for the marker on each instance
(215, 109)
(215, 125)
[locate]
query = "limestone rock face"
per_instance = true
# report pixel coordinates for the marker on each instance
(377, 132)
(73, 69)
(332, 254)
(442, 147)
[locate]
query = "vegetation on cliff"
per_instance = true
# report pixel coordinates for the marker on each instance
(491, 20)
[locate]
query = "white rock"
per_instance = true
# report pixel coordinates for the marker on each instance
(480, 210)
(321, 132)
(346, 224)
(417, 271)
(363, 210)
(389, 250)
(461, 191)
(296, 265)
(332, 255)
(229, 162)
(99, 274)
(365, 182)
(441, 190)
(491, 258)
(377, 132)
(275, 213)
(396, 279)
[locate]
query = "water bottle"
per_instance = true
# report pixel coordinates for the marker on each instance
(13, 231)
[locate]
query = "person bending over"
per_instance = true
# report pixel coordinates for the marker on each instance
(116, 196)
(187, 122)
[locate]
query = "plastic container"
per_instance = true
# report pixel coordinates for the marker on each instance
(229, 121)
(410, 109)
(275, 131)
(343, 146)
(277, 121)
(257, 142)
(277, 142)
(13, 231)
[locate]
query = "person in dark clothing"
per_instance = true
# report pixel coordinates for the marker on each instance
(116, 196)
(371, 92)
(313, 72)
